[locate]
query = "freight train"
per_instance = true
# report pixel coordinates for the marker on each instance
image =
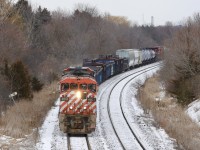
(79, 86)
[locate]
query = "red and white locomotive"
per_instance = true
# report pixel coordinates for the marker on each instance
(78, 91)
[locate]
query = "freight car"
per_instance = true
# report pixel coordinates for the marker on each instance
(78, 89)
(147, 56)
(137, 57)
(119, 63)
(158, 50)
(99, 68)
(133, 56)
(106, 66)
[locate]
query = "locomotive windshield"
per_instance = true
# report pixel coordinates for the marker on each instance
(73, 86)
(83, 86)
(92, 87)
(64, 86)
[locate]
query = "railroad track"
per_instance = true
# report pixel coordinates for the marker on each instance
(116, 123)
(82, 142)
(75, 142)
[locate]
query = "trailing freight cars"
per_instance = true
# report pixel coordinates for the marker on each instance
(78, 89)
(110, 65)
(137, 57)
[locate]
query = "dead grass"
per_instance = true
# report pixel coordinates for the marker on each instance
(169, 115)
(20, 119)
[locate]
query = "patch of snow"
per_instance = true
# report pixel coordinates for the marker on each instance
(194, 111)
(78, 143)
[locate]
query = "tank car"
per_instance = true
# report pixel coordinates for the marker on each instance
(158, 52)
(133, 56)
(77, 111)
(148, 55)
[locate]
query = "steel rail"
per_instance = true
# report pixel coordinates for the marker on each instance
(108, 105)
(69, 147)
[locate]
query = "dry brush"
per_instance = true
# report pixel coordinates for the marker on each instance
(169, 115)
(20, 119)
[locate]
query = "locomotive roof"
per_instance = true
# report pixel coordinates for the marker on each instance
(78, 71)
(77, 79)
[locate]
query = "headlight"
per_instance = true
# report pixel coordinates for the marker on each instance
(84, 108)
(78, 94)
(70, 107)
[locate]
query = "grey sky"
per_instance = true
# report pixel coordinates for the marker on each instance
(139, 11)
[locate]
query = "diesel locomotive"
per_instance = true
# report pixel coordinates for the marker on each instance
(78, 90)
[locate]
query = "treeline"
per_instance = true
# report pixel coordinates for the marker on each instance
(45, 42)
(181, 71)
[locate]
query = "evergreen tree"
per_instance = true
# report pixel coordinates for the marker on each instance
(36, 84)
(20, 80)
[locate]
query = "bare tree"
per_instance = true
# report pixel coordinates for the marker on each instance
(182, 64)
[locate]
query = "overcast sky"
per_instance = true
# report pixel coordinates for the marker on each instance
(139, 11)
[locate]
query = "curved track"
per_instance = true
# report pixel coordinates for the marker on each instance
(115, 111)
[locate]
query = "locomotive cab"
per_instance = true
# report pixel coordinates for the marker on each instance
(77, 114)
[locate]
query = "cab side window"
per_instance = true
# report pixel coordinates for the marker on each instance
(64, 86)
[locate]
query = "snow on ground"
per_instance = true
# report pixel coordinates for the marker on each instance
(51, 138)
(142, 123)
(194, 111)
(10, 143)
(103, 137)
(78, 143)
